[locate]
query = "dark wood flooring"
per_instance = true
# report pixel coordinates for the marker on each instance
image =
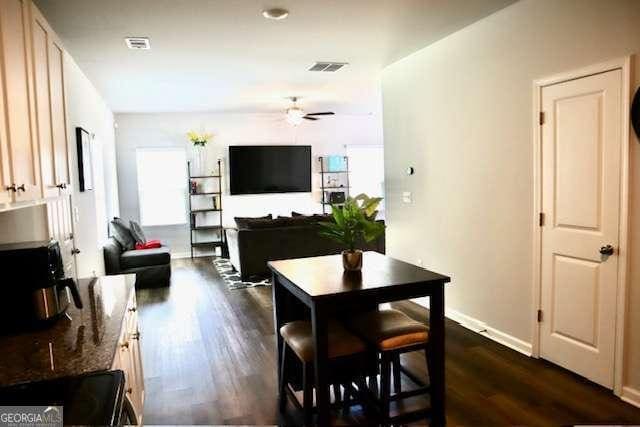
(209, 358)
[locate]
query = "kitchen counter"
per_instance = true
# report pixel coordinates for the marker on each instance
(84, 341)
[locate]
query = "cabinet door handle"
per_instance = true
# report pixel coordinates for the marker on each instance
(125, 345)
(75, 251)
(129, 390)
(11, 187)
(133, 309)
(62, 186)
(136, 336)
(22, 188)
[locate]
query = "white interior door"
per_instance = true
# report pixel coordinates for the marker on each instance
(581, 143)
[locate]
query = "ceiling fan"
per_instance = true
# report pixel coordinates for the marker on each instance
(295, 114)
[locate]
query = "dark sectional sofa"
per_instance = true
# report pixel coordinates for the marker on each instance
(254, 242)
(152, 267)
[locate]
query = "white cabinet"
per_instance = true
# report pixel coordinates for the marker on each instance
(48, 76)
(34, 152)
(20, 159)
(129, 360)
(60, 227)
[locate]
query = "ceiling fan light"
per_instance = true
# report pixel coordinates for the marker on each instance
(295, 115)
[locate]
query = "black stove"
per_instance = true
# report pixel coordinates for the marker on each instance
(96, 398)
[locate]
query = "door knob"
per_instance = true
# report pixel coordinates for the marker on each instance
(607, 250)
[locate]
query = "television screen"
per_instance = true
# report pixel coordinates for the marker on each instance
(257, 169)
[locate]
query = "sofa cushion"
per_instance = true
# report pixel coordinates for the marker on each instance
(137, 233)
(242, 222)
(281, 221)
(315, 217)
(145, 257)
(122, 234)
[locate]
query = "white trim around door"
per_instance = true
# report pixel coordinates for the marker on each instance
(623, 64)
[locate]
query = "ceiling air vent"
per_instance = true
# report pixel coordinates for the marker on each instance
(327, 66)
(138, 43)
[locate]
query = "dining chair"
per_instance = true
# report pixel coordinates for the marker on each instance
(392, 333)
(347, 358)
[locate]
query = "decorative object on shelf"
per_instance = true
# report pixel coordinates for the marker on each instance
(635, 113)
(199, 143)
(337, 197)
(333, 179)
(199, 139)
(85, 165)
(197, 189)
(336, 163)
(354, 221)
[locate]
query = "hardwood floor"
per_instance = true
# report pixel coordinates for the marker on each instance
(209, 358)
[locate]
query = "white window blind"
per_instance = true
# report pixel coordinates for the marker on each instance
(366, 163)
(162, 186)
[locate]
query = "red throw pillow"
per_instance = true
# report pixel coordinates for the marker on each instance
(151, 244)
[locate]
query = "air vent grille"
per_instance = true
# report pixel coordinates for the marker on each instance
(138, 43)
(327, 66)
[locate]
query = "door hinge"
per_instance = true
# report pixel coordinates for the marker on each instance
(539, 316)
(541, 219)
(541, 118)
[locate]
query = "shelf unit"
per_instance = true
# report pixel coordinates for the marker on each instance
(216, 198)
(325, 188)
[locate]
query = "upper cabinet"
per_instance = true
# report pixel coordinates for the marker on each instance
(34, 149)
(48, 74)
(20, 161)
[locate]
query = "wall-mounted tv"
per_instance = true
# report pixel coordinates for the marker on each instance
(259, 169)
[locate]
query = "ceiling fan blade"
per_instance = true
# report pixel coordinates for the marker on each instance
(325, 113)
(309, 118)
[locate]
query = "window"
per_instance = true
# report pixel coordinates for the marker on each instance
(162, 185)
(366, 164)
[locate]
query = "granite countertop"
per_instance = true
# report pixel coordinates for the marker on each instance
(85, 341)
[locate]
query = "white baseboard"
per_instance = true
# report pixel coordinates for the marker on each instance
(492, 333)
(179, 255)
(182, 255)
(631, 395)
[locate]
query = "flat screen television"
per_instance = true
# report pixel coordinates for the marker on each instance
(259, 169)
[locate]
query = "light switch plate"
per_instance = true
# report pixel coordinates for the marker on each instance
(407, 197)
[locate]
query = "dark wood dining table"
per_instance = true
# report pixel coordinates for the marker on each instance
(319, 288)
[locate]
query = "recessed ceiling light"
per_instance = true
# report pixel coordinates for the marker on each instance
(275, 13)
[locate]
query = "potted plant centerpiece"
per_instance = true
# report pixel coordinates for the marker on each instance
(353, 222)
(199, 142)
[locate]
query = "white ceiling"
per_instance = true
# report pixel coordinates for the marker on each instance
(223, 56)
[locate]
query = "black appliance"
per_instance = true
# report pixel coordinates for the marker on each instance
(257, 169)
(34, 285)
(97, 398)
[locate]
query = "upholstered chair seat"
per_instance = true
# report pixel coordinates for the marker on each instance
(299, 337)
(390, 329)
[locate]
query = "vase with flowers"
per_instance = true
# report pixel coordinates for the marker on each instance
(353, 222)
(199, 143)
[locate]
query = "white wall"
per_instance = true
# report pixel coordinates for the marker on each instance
(24, 225)
(460, 112)
(86, 109)
(326, 136)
